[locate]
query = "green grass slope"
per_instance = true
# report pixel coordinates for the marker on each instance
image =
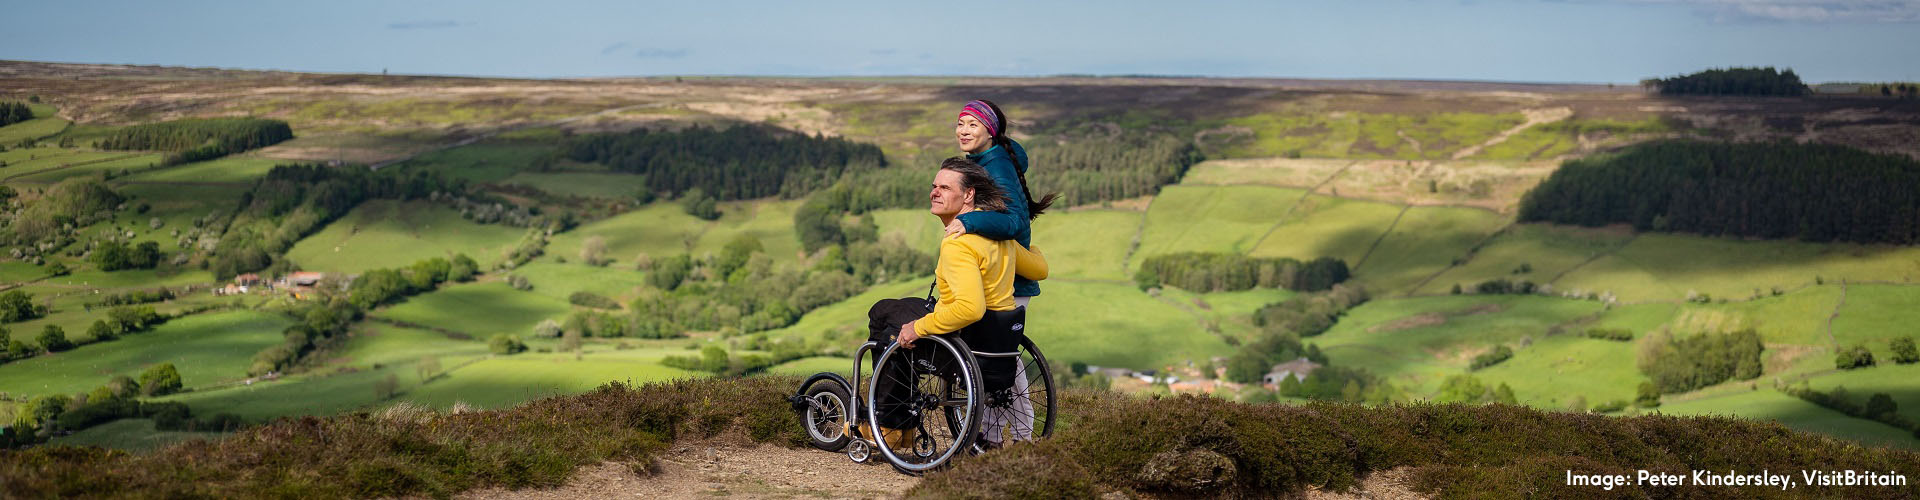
(208, 349)
(386, 234)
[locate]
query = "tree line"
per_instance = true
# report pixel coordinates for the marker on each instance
(1203, 272)
(735, 163)
(12, 112)
(199, 139)
(1765, 81)
(1814, 192)
(1086, 172)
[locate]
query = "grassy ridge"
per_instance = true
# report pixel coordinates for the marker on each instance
(1452, 450)
(1103, 444)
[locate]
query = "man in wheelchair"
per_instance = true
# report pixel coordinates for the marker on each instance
(974, 277)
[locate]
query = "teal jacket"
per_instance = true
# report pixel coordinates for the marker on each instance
(1014, 223)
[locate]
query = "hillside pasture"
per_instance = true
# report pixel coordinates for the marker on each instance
(1425, 241)
(1085, 244)
(922, 231)
(1551, 371)
(477, 309)
(1661, 266)
(238, 169)
(585, 184)
(130, 434)
(481, 162)
(658, 230)
(1323, 226)
(84, 164)
(499, 382)
(767, 220)
(1768, 404)
(559, 281)
(45, 123)
(1417, 342)
(1875, 314)
(1228, 219)
(208, 349)
(1117, 325)
(1548, 250)
(386, 233)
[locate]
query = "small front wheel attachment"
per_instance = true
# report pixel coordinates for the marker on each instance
(824, 408)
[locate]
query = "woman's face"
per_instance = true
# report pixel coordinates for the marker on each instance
(972, 135)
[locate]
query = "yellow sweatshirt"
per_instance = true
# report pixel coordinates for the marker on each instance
(975, 274)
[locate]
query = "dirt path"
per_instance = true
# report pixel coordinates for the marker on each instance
(768, 471)
(1535, 117)
(706, 470)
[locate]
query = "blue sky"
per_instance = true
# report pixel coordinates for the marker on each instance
(1503, 40)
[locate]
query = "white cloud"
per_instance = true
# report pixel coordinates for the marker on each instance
(1807, 11)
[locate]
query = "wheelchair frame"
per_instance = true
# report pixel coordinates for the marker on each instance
(856, 405)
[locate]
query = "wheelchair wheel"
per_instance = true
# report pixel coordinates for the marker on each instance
(934, 390)
(1023, 412)
(826, 415)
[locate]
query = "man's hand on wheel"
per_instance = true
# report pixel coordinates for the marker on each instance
(907, 336)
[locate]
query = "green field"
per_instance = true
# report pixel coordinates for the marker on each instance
(1117, 325)
(659, 230)
(1658, 266)
(1893, 379)
(507, 381)
(132, 434)
(1551, 371)
(71, 313)
(922, 230)
(45, 123)
(239, 169)
(84, 164)
(559, 281)
(1213, 219)
(1768, 404)
(478, 309)
(808, 366)
(47, 165)
(1417, 342)
(319, 394)
(1424, 242)
(1324, 226)
(386, 234)
(1085, 244)
(484, 162)
(591, 185)
(1874, 314)
(208, 349)
(770, 221)
(1549, 250)
(1230, 313)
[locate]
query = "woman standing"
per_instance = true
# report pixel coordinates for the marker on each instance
(981, 131)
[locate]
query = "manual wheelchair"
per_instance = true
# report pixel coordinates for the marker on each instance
(937, 389)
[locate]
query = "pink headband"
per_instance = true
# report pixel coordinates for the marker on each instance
(981, 111)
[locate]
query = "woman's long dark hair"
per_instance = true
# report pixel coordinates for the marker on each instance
(1034, 207)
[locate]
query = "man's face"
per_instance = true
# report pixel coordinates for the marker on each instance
(948, 198)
